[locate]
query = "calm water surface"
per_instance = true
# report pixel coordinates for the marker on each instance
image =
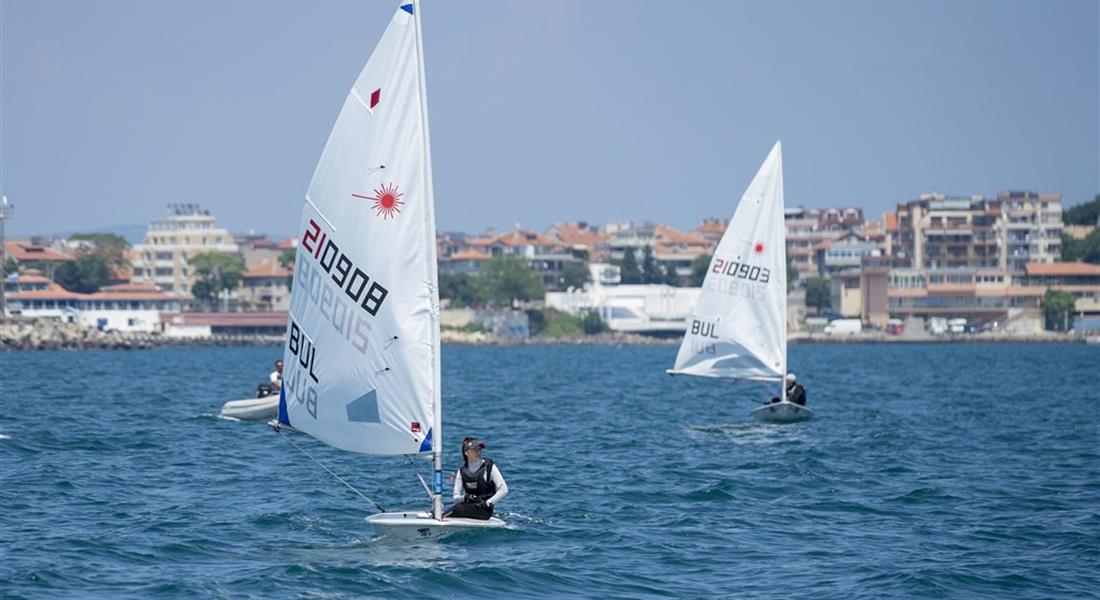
(960, 471)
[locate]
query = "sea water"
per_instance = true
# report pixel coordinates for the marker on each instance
(933, 470)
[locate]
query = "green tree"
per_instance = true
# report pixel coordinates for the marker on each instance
(85, 275)
(1058, 307)
(10, 266)
(574, 275)
(699, 268)
(792, 274)
(1086, 250)
(651, 271)
(1085, 213)
(818, 293)
(286, 259)
(215, 272)
(511, 278)
(670, 277)
(462, 289)
(109, 246)
(628, 268)
(592, 323)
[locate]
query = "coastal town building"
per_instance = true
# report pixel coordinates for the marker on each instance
(169, 243)
(1012, 300)
(937, 231)
(266, 286)
(653, 309)
(125, 307)
(33, 255)
(255, 249)
(810, 229)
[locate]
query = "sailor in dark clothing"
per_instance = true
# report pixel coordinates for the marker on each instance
(795, 392)
(479, 486)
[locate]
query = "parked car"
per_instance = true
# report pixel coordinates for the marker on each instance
(895, 326)
(956, 325)
(937, 325)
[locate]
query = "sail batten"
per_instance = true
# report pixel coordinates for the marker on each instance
(738, 329)
(362, 339)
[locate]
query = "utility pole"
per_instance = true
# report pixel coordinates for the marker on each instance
(6, 211)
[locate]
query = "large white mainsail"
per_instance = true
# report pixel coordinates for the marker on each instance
(362, 354)
(738, 329)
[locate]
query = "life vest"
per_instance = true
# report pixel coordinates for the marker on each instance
(479, 483)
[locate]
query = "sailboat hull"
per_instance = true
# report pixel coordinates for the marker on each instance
(421, 525)
(782, 412)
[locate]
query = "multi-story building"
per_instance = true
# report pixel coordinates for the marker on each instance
(1007, 232)
(266, 286)
(169, 243)
(1032, 228)
(808, 230)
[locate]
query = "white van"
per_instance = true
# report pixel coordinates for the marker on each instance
(956, 325)
(844, 327)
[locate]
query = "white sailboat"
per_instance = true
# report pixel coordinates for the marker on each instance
(362, 356)
(738, 329)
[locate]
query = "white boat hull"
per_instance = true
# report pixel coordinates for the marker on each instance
(782, 412)
(253, 409)
(421, 525)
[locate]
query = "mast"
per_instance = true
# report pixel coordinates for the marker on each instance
(429, 234)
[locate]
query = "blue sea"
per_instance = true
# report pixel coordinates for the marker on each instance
(934, 470)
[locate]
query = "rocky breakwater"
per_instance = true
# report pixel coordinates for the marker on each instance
(45, 334)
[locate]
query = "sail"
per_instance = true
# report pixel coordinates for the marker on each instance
(362, 355)
(738, 329)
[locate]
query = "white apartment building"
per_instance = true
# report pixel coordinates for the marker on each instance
(171, 242)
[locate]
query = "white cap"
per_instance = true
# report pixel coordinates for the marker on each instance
(791, 377)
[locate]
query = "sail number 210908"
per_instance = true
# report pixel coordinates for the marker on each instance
(354, 281)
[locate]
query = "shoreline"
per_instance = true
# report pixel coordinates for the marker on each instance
(42, 335)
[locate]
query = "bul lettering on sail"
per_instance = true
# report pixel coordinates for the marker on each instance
(703, 329)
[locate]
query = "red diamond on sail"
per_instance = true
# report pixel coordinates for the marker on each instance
(375, 96)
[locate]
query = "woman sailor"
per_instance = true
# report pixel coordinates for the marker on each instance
(479, 486)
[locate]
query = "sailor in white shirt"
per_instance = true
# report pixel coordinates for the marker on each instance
(277, 376)
(479, 486)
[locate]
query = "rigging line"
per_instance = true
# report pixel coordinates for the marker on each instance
(419, 476)
(328, 470)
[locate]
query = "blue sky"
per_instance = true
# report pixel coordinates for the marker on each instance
(547, 111)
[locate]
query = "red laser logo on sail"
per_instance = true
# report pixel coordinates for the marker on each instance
(387, 201)
(758, 248)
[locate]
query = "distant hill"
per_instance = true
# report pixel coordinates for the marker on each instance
(135, 234)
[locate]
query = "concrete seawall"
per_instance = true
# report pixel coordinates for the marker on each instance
(45, 334)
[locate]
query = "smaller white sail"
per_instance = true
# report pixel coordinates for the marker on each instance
(738, 329)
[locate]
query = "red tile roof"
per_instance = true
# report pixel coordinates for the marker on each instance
(26, 252)
(125, 291)
(268, 268)
(469, 255)
(1062, 268)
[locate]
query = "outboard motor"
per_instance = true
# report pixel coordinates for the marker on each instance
(264, 390)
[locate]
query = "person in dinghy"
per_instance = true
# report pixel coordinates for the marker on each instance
(479, 486)
(795, 392)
